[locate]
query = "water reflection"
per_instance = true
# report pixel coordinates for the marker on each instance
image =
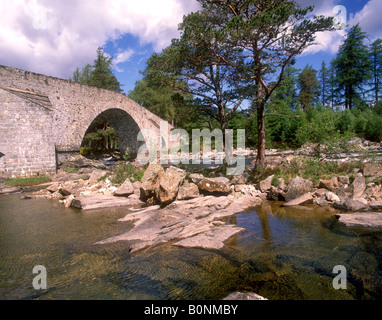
(301, 246)
(286, 253)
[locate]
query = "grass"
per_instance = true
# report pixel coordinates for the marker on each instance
(71, 169)
(23, 182)
(124, 171)
(311, 169)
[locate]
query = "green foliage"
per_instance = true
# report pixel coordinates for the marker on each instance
(325, 85)
(376, 69)
(352, 66)
(124, 171)
(157, 99)
(312, 169)
(345, 122)
(71, 169)
(309, 87)
(318, 127)
(127, 155)
(275, 181)
(100, 138)
(99, 74)
(283, 129)
(203, 77)
(373, 130)
(23, 182)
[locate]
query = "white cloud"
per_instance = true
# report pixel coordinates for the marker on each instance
(328, 41)
(369, 19)
(55, 37)
(123, 57)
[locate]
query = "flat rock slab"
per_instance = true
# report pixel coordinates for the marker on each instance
(361, 219)
(244, 296)
(193, 223)
(6, 190)
(304, 199)
(212, 239)
(99, 201)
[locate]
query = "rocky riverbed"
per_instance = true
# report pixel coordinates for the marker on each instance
(173, 205)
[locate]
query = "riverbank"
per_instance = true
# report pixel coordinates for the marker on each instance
(190, 205)
(195, 208)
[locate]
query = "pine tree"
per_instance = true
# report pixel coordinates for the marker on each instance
(324, 83)
(266, 36)
(376, 63)
(287, 91)
(102, 75)
(352, 66)
(333, 86)
(309, 87)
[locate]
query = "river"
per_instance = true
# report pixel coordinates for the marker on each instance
(285, 253)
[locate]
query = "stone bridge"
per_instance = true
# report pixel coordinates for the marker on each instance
(43, 119)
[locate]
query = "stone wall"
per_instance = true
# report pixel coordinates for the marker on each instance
(57, 113)
(26, 141)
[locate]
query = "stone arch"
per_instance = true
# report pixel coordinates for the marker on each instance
(125, 126)
(56, 114)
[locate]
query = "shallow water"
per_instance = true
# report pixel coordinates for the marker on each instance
(286, 253)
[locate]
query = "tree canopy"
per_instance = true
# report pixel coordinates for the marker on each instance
(100, 74)
(352, 66)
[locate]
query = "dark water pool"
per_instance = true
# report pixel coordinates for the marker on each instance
(284, 254)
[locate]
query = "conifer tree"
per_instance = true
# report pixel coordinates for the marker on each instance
(309, 87)
(324, 83)
(352, 66)
(376, 64)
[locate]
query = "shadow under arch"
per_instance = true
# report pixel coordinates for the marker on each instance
(125, 127)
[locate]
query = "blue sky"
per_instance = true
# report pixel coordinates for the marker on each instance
(54, 37)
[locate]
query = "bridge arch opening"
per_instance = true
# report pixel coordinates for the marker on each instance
(112, 131)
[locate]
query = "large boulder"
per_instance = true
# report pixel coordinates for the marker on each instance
(327, 184)
(196, 177)
(169, 183)
(358, 187)
(376, 205)
(240, 179)
(297, 188)
(125, 189)
(188, 191)
(343, 180)
(351, 205)
(374, 192)
(332, 197)
(265, 185)
(150, 181)
(218, 185)
(361, 219)
(372, 169)
(276, 194)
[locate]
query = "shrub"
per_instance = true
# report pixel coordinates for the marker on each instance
(124, 171)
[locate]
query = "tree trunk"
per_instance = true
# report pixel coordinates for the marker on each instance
(224, 126)
(260, 159)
